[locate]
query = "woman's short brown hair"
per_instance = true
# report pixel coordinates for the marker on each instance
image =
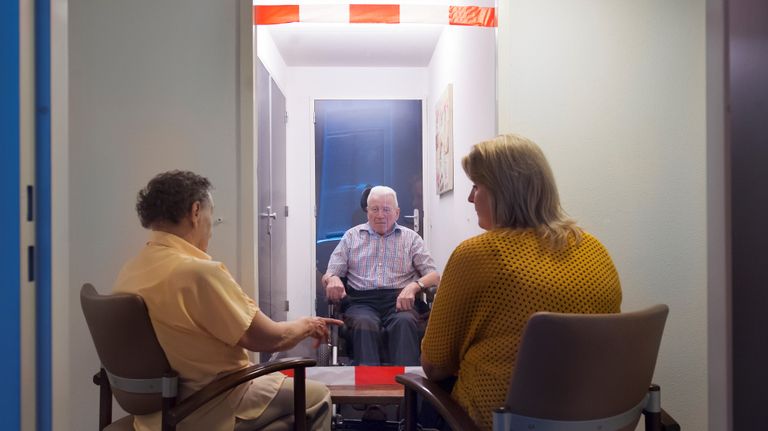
(169, 196)
(523, 190)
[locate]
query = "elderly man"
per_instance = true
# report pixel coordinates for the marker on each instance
(386, 266)
(203, 319)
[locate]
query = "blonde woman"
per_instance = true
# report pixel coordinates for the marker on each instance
(532, 258)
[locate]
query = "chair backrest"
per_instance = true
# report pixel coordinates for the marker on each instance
(364, 198)
(576, 367)
(126, 344)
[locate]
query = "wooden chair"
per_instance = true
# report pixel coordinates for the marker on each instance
(136, 371)
(574, 372)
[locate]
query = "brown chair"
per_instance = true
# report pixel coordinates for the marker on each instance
(135, 370)
(573, 372)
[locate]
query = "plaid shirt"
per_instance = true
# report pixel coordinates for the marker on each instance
(372, 261)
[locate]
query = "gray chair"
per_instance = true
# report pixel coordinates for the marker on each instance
(574, 372)
(135, 370)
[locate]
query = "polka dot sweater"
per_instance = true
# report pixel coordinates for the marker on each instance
(491, 285)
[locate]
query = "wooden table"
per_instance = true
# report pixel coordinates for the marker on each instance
(366, 394)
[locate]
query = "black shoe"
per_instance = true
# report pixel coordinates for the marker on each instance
(374, 413)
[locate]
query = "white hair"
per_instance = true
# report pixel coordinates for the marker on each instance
(383, 191)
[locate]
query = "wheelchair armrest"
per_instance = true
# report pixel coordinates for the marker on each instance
(428, 295)
(334, 309)
(229, 381)
(448, 408)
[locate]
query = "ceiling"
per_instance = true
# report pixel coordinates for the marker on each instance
(355, 45)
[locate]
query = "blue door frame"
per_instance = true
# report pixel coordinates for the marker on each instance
(10, 363)
(10, 222)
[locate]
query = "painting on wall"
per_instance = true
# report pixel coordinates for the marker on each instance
(444, 141)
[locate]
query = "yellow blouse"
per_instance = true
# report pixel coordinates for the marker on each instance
(199, 313)
(491, 285)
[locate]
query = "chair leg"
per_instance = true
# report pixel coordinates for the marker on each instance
(105, 398)
(410, 410)
(652, 410)
(168, 404)
(299, 400)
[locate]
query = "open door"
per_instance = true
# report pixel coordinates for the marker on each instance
(272, 209)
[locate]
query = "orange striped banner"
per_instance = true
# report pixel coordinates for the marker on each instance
(377, 13)
(374, 13)
(472, 15)
(264, 15)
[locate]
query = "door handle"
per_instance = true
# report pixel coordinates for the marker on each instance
(415, 218)
(268, 214)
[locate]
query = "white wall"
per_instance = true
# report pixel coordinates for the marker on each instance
(303, 85)
(60, 291)
(270, 56)
(614, 92)
(464, 57)
(153, 86)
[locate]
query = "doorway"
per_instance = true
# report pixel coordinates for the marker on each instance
(359, 144)
(406, 62)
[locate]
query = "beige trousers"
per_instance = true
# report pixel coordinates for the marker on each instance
(278, 415)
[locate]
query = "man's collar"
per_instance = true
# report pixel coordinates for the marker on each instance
(157, 237)
(367, 227)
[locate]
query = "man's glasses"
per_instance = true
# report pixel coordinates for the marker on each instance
(384, 210)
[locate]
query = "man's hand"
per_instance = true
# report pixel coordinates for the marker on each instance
(334, 289)
(317, 328)
(407, 297)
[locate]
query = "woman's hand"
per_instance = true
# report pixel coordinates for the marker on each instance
(318, 328)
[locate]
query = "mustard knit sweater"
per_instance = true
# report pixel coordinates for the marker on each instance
(491, 285)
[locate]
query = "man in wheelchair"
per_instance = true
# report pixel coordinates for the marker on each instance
(386, 266)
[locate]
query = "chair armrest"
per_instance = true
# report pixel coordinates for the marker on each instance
(229, 381)
(448, 408)
(668, 423)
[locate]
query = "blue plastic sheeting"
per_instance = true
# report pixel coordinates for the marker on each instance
(361, 143)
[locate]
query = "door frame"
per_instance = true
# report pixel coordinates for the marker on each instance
(11, 173)
(426, 170)
(248, 124)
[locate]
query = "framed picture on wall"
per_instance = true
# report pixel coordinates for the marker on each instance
(444, 141)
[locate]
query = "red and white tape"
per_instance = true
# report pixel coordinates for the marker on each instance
(361, 375)
(375, 14)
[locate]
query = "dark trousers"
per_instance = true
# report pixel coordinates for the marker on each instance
(374, 322)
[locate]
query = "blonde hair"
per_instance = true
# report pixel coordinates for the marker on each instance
(522, 188)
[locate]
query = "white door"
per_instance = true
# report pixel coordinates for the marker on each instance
(272, 209)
